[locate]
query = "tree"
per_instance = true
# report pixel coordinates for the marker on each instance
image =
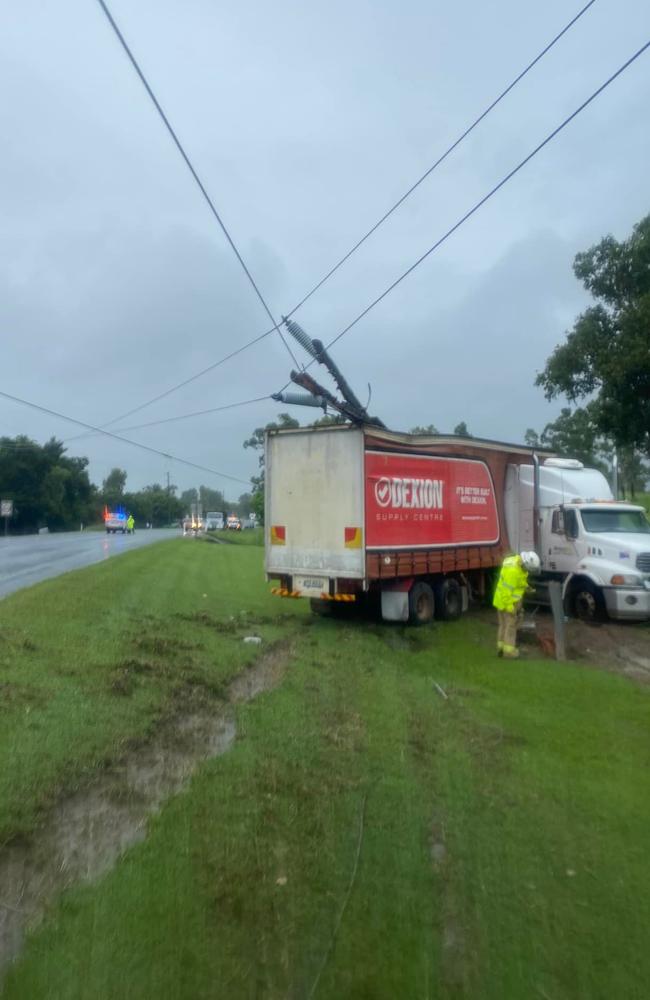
(113, 487)
(429, 429)
(155, 505)
(188, 497)
(256, 441)
(461, 430)
(575, 435)
(245, 504)
(211, 499)
(531, 438)
(330, 420)
(633, 472)
(607, 353)
(49, 488)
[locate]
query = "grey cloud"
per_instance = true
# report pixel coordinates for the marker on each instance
(305, 122)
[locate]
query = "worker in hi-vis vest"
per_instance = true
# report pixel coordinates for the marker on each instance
(508, 597)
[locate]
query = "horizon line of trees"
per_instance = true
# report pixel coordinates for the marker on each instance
(51, 489)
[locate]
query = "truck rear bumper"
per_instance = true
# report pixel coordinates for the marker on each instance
(630, 604)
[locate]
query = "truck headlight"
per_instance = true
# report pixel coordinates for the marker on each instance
(626, 580)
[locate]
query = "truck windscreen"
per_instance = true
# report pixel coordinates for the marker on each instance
(604, 521)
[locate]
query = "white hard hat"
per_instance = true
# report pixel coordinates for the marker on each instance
(531, 561)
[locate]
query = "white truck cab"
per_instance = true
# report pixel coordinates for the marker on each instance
(598, 547)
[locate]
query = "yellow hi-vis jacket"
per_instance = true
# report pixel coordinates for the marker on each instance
(511, 585)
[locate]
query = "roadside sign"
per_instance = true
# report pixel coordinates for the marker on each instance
(6, 508)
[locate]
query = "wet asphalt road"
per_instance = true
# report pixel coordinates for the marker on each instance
(31, 558)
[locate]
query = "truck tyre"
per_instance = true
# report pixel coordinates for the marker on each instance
(320, 607)
(449, 599)
(422, 604)
(587, 602)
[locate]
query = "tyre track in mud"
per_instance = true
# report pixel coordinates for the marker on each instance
(86, 833)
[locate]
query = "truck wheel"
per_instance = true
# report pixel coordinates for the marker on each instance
(449, 600)
(332, 609)
(320, 607)
(421, 604)
(587, 602)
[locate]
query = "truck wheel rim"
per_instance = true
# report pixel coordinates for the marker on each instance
(586, 604)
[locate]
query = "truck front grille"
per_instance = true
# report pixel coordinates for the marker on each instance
(643, 562)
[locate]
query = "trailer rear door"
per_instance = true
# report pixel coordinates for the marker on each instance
(314, 512)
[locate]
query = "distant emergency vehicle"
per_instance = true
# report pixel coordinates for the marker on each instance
(115, 520)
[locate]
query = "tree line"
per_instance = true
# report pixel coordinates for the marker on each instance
(52, 490)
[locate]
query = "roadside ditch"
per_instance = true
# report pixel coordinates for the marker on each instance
(84, 835)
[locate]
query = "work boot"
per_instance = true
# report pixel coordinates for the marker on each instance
(510, 652)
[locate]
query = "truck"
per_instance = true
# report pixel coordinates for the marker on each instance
(214, 520)
(597, 547)
(418, 524)
(115, 520)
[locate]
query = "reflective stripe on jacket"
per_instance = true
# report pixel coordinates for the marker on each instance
(511, 585)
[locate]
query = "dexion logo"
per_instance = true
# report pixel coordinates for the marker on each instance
(410, 494)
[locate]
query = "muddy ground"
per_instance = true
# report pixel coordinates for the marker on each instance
(622, 648)
(86, 832)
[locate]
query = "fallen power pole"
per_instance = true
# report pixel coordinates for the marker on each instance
(316, 394)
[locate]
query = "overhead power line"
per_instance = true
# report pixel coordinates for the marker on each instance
(443, 156)
(196, 413)
(118, 437)
(373, 229)
(181, 416)
(485, 198)
(191, 169)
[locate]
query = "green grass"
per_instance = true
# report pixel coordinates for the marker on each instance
(92, 659)
(251, 536)
(503, 831)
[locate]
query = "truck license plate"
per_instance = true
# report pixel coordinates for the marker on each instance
(311, 585)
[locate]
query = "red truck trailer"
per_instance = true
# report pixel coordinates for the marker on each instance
(417, 522)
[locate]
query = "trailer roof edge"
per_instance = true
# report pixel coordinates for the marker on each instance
(401, 437)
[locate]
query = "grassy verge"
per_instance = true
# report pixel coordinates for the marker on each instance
(251, 536)
(369, 837)
(92, 659)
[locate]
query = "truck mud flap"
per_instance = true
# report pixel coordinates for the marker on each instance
(395, 600)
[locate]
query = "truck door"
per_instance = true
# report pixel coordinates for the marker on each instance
(563, 553)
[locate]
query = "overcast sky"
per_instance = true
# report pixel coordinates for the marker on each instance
(305, 122)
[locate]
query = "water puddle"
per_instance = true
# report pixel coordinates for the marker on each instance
(84, 836)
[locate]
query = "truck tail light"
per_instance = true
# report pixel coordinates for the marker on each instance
(278, 534)
(353, 538)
